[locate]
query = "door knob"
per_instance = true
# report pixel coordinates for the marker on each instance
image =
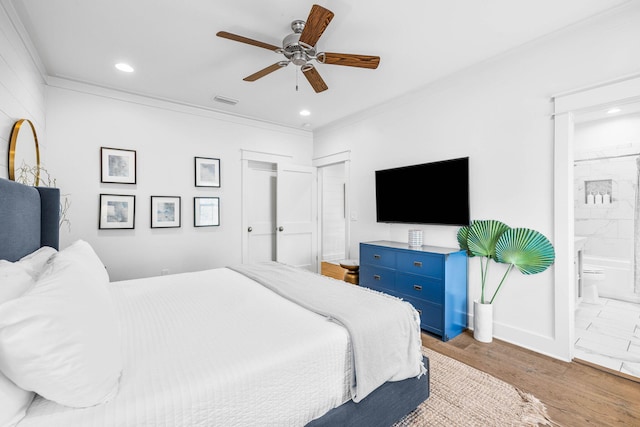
(250, 229)
(281, 228)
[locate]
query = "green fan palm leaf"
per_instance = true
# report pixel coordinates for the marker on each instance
(483, 235)
(528, 250)
(525, 249)
(462, 236)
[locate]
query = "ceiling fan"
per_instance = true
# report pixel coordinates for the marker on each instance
(299, 48)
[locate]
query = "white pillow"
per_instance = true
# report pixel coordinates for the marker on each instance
(35, 262)
(60, 339)
(15, 402)
(14, 281)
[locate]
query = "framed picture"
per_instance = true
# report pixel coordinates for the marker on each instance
(206, 211)
(117, 165)
(165, 211)
(207, 172)
(117, 211)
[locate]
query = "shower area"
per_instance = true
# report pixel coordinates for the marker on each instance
(607, 241)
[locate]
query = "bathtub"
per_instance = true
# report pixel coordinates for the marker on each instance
(617, 279)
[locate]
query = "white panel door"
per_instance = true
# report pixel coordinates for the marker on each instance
(297, 216)
(259, 212)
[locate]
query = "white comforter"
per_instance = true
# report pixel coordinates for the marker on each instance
(236, 355)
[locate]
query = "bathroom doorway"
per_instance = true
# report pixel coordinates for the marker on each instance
(606, 172)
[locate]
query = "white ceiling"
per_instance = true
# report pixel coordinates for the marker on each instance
(174, 49)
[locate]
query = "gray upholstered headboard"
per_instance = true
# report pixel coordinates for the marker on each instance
(28, 219)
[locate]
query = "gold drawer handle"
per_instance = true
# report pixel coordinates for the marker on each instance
(376, 256)
(417, 287)
(376, 276)
(417, 264)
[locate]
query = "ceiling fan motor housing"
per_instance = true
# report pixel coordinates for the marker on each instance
(296, 52)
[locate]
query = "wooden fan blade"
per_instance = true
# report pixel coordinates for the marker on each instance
(317, 22)
(270, 69)
(350, 60)
(315, 80)
(246, 40)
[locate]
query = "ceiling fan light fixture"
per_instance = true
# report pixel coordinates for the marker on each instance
(299, 58)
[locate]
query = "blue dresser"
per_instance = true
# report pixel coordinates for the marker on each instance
(433, 279)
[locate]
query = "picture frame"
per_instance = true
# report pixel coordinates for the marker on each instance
(207, 172)
(206, 211)
(117, 211)
(117, 165)
(166, 212)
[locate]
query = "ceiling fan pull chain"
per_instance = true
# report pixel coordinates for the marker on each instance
(297, 79)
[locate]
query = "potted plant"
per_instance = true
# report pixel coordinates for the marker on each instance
(527, 250)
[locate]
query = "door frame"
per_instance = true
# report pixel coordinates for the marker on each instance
(245, 157)
(328, 160)
(619, 91)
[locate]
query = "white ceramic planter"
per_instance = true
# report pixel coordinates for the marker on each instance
(482, 321)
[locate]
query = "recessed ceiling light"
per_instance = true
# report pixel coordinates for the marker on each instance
(305, 113)
(124, 67)
(613, 111)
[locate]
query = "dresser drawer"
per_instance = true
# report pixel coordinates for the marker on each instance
(420, 287)
(377, 278)
(431, 315)
(425, 264)
(377, 256)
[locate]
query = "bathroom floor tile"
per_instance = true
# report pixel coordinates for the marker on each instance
(587, 311)
(623, 305)
(622, 315)
(626, 327)
(598, 359)
(602, 343)
(613, 331)
(582, 323)
(612, 335)
(631, 368)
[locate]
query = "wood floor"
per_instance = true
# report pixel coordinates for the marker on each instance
(575, 394)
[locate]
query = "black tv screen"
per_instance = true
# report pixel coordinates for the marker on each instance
(428, 193)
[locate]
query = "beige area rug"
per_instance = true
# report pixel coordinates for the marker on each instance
(464, 396)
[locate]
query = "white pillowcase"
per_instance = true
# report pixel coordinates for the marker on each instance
(15, 402)
(61, 338)
(14, 281)
(35, 262)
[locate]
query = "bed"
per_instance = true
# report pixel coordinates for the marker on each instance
(235, 346)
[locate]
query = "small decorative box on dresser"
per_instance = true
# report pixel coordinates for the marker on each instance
(432, 278)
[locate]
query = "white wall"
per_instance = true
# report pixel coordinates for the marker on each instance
(166, 138)
(21, 86)
(498, 114)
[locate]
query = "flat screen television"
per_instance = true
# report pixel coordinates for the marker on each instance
(428, 193)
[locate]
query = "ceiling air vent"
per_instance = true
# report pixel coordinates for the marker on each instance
(225, 100)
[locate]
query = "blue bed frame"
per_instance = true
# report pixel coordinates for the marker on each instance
(29, 219)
